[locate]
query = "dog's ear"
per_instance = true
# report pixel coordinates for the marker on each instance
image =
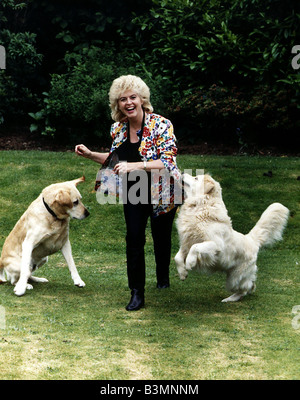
(79, 180)
(63, 198)
(209, 184)
(61, 204)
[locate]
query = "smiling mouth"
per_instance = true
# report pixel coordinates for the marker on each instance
(130, 109)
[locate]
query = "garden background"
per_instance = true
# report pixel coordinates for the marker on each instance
(222, 72)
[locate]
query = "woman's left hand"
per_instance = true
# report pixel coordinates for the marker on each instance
(124, 167)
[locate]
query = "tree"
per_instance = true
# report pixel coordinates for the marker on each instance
(19, 80)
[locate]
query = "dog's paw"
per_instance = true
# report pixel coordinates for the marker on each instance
(20, 289)
(232, 298)
(191, 260)
(40, 280)
(183, 274)
(43, 280)
(79, 283)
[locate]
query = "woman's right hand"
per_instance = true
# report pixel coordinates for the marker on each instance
(83, 151)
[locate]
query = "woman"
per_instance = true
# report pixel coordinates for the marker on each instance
(143, 141)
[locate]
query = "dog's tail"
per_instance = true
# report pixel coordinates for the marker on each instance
(2, 273)
(270, 226)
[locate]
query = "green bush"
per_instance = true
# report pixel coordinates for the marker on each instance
(197, 44)
(76, 106)
(18, 82)
(260, 116)
(181, 48)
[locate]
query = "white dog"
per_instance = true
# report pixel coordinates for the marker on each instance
(208, 241)
(42, 230)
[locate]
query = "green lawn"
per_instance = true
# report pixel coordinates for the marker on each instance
(58, 331)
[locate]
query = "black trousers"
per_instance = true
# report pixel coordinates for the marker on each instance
(136, 217)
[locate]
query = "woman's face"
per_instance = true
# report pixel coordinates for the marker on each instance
(130, 104)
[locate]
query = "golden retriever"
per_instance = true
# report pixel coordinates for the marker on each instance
(41, 231)
(208, 241)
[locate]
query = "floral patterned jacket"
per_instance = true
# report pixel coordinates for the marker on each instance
(158, 142)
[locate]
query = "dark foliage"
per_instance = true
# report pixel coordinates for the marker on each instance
(221, 70)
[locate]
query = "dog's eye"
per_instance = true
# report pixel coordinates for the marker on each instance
(76, 202)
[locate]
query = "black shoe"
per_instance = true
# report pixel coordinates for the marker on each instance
(163, 285)
(137, 300)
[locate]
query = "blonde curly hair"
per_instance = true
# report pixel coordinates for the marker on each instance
(121, 85)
